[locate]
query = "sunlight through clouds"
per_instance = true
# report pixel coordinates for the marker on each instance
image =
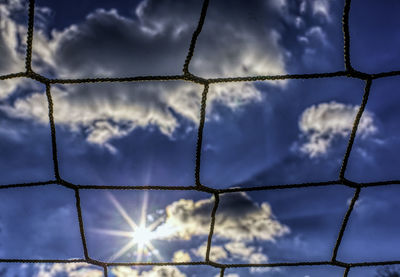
(141, 233)
(178, 232)
(132, 148)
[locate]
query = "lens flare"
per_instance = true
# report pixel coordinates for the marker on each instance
(141, 234)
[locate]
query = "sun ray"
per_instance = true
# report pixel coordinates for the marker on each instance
(122, 251)
(110, 232)
(122, 211)
(155, 223)
(144, 209)
(141, 235)
(154, 251)
(139, 252)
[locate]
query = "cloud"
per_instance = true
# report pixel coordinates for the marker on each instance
(12, 37)
(13, 34)
(102, 114)
(217, 253)
(317, 33)
(181, 256)
(321, 7)
(369, 207)
(70, 270)
(70, 53)
(238, 218)
(110, 111)
(153, 41)
(157, 271)
(321, 124)
(84, 270)
(251, 254)
(233, 250)
(109, 44)
(224, 47)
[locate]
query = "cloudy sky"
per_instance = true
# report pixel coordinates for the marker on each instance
(144, 133)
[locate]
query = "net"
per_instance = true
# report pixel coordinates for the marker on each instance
(349, 72)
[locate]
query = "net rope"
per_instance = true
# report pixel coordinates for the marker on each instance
(349, 72)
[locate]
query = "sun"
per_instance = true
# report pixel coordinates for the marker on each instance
(141, 235)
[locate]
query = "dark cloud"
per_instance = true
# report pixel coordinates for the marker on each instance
(237, 218)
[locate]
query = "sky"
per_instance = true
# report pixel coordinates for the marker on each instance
(264, 133)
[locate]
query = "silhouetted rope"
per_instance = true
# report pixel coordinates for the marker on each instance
(346, 35)
(189, 77)
(195, 36)
(80, 220)
(31, 18)
(213, 213)
(344, 224)
(53, 132)
(346, 272)
(354, 129)
(200, 134)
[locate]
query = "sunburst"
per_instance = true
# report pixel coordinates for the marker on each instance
(141, 234)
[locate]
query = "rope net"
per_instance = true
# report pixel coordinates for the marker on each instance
(349, 72)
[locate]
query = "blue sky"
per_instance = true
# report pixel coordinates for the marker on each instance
(264, 133)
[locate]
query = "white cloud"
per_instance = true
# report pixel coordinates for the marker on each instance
(227, 94)
(242, 54)
(368, 206)
(317, 33)
(233, 250)
(158, 41)
(70, 270)
(321, 124)
(238, 218)
(13, 34)
(247, 253)
(12, 37)
(108, 111)
(321, 7)
(239, 222)
(157, 271)
(303, 6)
(103, 114)
(181, 256)
(230, 44)
(84, 50)
(7, 87)
(240, 250)
(106, 43)
(217, 252)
